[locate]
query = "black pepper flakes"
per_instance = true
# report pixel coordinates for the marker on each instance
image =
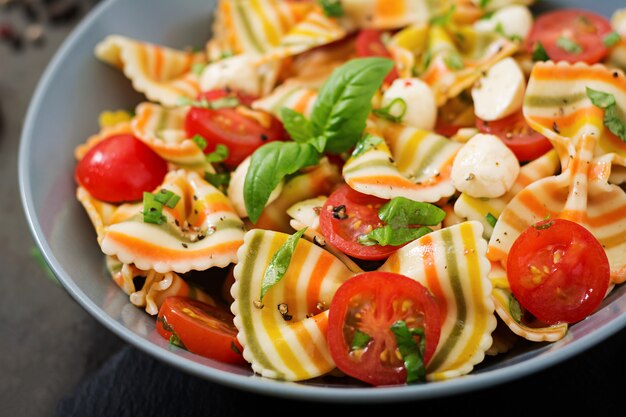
(283, 309)
(264, 137)
(339, 212)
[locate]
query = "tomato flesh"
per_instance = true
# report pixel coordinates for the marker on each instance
(119, 169)
(571, 35)
(203, 329)
(369, 43)
(241, 134)
(348, 214)
(526, 143)
(371, 303)
(558, 271)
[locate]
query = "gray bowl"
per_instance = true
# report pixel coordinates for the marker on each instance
(74, 89)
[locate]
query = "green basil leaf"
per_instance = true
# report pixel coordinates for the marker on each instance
(366, 143)
(269, 165)
(332, 8)
(539, 53)
(345, 101)
(388, 235)
(279, 263)
(360, 340)
(411, 351)
(403, 212)
(298, 126)
(612, 119)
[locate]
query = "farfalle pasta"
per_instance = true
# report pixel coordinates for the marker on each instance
(365, 190)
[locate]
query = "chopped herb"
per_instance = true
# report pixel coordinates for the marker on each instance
(175, 340)
(515, 309)
(279, 263)
(454, 61)
(542, 225)
(198, 68)
(394, 111)
(405, 220)
(607, 102)
(220, 153)
(235, 348)
(366, 143)
(220, 103)
(611, 39)
(444, 18)
(153, 205)
(484, 3)
(360, 340)
(500, 30)
(167, 198)
(539, 53)
(491, 219)
(200, 141)
(569, 45)
(221, 180)
(411, 351)
(332, 8)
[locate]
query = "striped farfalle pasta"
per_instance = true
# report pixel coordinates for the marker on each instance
(480, 209)
(453, 265)
(201, 232)
(163, 130)
(293, 349)
(154, 288)
(162, 74)
(383, 14)
(410, 162)
(557, 105)
(290, 95)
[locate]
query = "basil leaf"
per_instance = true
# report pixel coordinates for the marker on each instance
(298, 127)
(539, 53)
(366, 143)
(332, 8)
(360, 340)
(412, 353)
(402, 212)
(612, 120)
(279, 263)
(388, 235)
(344, 102)
(269, 165)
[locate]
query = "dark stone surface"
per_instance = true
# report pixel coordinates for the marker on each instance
(56, 360)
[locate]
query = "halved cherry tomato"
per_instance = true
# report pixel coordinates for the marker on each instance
(369, 43)
(119, 169)
(202, 328)
(571, 35)
(558, 271)
(242, 135)
(348, 214)
(369, 304)
(526, 143)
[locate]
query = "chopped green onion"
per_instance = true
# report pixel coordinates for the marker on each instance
(611, 39)
(219, 180)
(569, 45)
(444, 18)
(491, 219)
(153, 205)
(539, 53)
(454, 61)
(200, 141)
(332, 8)
(198, 68)
(220, 153)
(515, 309)
(394, 111)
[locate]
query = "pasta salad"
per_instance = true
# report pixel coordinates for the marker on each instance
(389, 192)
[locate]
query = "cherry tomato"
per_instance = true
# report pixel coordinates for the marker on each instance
(203, 329)
(348, 214)
(119, 169)
(526, 143)
(558, 271)
(571, 35)
(369, 43)
(370, 303)
(242, 135)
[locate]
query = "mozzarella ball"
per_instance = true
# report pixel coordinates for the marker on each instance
(500, 92)
(618, 22)
(421, 108)
(240, 73)
(514, 20)
(484, 167)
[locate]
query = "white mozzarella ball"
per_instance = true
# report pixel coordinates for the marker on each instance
(500, 92)
(240, 73)
(484, 167)
(618, 22)
(421, 108)
(514, 20)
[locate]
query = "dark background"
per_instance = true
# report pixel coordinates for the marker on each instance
(56, 360)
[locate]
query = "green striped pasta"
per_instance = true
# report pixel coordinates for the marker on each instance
(453, 265)
(163, 74)
(201, 232)
(293, 96)
(294, 349)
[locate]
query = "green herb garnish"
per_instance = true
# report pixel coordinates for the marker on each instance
(394, 111)
(220, 154)
(608, 103)
(411, 351)
(332, 8)
(454, 61)
(611, 39)
(220, 103)
(491, 219)
(200, 141)
(539, 53)
(366, 143)
(360, 340)
(279, 263)
(298, 126)
(153, 205)
(569, 45)
(444, 18)
(220, 180)
(515, 308)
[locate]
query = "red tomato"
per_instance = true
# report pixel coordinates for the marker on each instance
(371, 303)
(571, 35)
(241, 134)
(203, 329)
(369, 43)
(526, 143)
(348, 214)
(558, 271)
(119, 169)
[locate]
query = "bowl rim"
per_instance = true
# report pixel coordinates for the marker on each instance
(256, 383)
